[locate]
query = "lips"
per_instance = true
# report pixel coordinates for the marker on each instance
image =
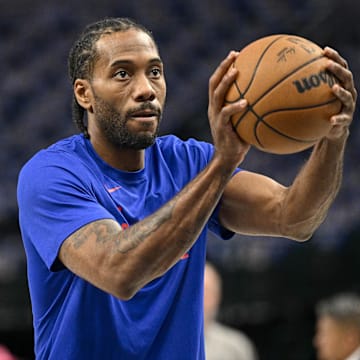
(144, 114)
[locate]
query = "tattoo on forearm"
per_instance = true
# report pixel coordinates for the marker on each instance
(104, 231)
(136, 234)
(107, 233)
(100, 230)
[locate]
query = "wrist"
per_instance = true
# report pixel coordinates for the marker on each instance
(338, 134)
(334, 144)
(223, 164)
(340, 137)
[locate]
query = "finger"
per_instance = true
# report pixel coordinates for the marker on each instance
(223, 87)
(344, 76)
(334, 55)
(347, 97)
(344, 118)
(339, 67)
(221, 70)
(343, 95)
(338, 131)
(234, 108)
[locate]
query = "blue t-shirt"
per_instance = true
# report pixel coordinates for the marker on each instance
(67, 186)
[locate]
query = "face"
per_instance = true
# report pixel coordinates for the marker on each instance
(333, 340)
(127, 91)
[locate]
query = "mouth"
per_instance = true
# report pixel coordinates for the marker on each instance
(146, 112)
(144, 115)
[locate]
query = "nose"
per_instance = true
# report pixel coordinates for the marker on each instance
(143, 89)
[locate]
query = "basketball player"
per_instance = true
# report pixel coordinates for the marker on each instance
(114, 220)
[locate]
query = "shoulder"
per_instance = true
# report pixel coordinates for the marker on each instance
(64, 153)
(175, 141)
(171, 145)
(65, 159)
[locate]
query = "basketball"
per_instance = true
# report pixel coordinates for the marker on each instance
(289, 95)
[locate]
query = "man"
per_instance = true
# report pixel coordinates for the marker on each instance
(114, 220)
(337, 334)
(221, 342)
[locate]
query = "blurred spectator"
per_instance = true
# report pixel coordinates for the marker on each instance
(337, 334)
(221, 342)
(5, 353)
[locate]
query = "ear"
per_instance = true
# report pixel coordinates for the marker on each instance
(82, 92)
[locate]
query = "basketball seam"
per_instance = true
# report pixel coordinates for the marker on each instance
(257, 66)
(300, 108)
(276, 84)
(241, 94)
(260, 120)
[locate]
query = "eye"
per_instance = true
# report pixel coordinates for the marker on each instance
(121, 74)
(155, 72)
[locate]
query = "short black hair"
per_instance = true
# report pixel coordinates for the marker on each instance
(83, 55)
(344, 308)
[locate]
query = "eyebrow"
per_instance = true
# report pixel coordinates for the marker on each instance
(118, 63)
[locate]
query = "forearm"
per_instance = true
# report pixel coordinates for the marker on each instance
(308, 199)
(312, 193)
(126, 260)
(169, 233)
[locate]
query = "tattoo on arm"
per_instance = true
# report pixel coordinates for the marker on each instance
(104, 231)
(107, 232)
(134, 235)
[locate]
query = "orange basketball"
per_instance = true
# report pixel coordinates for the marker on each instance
(289, 95)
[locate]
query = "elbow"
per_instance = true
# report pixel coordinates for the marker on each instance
(302, 236)
(123, 286)
(300, 228)
(126, 288)
(128, 284)
(125, 292)
(125, 295)
(299, 232)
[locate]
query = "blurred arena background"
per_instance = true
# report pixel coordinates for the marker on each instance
(270, 284)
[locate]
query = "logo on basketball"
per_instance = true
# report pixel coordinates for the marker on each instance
(314, 81)
(287, 85)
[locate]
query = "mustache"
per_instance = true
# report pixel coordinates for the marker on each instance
(144, 106)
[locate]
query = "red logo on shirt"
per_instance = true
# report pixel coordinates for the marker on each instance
(185, 256)
(113, 189)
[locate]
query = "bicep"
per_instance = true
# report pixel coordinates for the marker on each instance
(252, 204)
(53, 205)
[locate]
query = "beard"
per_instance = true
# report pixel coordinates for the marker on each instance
(113, 125)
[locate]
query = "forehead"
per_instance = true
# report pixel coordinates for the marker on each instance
(125, 44)
(327, 323)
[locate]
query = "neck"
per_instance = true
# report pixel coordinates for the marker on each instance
(119, 158)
